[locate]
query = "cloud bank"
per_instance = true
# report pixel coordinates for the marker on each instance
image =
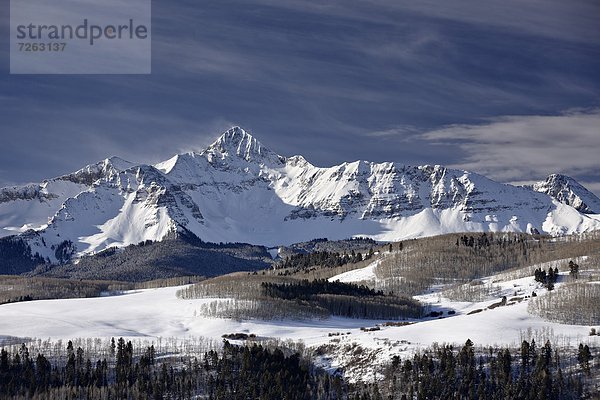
(521, 148)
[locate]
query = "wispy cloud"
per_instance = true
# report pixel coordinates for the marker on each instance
(402, 132)
(573, 20)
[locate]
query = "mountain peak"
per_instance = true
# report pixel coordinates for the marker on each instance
(567, 190)
(556, 183)
(117, 163)
(238, 142)
(559, 178)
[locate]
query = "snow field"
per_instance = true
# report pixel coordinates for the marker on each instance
(158, 313)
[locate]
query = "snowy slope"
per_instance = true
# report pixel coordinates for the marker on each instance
(159, 313)
(237, 190)
(33, 206)
(363, 275)
(29, 207)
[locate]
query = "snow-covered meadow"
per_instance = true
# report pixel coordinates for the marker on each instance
(158, 313)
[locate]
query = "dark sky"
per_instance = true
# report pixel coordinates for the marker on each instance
(507, 88)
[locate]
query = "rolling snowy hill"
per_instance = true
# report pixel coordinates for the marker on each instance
(157, 314)
(237, 190)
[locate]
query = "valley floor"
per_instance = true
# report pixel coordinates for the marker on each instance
(159, 313)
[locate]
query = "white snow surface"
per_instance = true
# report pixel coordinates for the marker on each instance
(365, 274)
(237, 190)
(158, 313)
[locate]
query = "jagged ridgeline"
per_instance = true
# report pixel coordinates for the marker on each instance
(238, 190)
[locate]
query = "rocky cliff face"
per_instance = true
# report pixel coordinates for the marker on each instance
(568, 191)
(237, 190)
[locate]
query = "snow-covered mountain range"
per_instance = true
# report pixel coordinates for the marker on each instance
(237, 190)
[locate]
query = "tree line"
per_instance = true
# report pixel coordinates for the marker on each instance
(456, 258)
(305, 289)
(345, 299)
(530, 372)
(327, 259)
(277, 297)
(236, 372)
(443, 372)
(20, 288)
(575, 303)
